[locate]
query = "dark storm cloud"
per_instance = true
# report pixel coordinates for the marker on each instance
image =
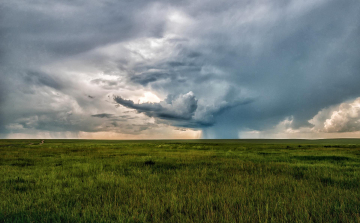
(181, 107)
(103, 115)
(67, 28)
(250, 64)
(147, 77)
(304, 64)
(39, 78)
(176, 64)
(183, 110)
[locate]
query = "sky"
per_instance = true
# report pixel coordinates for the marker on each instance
(145, 69)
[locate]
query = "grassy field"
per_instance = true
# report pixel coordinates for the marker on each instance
(180, 181)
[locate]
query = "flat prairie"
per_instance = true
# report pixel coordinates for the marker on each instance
(180, 181)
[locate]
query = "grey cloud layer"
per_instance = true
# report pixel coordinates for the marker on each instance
(248, 64)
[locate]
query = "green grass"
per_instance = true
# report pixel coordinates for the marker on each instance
(180, 181)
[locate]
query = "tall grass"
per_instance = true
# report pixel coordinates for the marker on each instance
(180, 181)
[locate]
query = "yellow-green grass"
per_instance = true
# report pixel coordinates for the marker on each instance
(180, 181)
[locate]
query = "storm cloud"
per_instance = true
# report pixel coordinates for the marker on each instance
(181, 107)
(227, 69)
(102, 115)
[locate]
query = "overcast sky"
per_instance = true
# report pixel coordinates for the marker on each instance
(179, 69)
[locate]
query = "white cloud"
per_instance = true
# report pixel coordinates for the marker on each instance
(338, 121)
(341, 118)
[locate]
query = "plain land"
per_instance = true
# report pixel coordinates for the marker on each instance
(180, 181)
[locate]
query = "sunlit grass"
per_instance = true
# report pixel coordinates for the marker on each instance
(180, 181)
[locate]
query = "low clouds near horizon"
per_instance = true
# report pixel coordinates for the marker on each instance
(185, 69)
